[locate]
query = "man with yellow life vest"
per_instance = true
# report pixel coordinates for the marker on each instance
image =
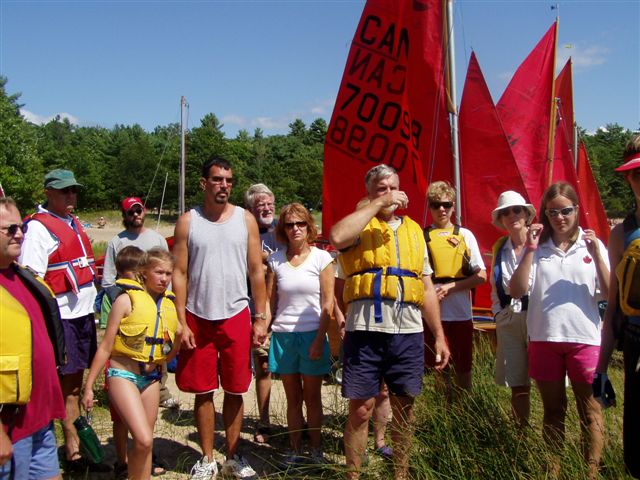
(389, 294)
(58, 250)
(459, 268)
(31, 341)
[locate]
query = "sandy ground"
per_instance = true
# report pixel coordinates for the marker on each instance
(111, 229)
(176, 439)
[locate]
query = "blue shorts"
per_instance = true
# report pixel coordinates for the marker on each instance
(35, 456)
(370, 357)
(289, 354)
(80, 343)
(140, 381)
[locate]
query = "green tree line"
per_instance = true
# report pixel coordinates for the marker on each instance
(127, 160)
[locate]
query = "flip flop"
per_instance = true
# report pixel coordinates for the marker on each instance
(158, 467)
(262, 435)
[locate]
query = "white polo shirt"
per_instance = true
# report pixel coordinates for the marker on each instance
(563, 303)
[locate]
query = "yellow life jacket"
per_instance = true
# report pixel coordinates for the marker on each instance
(16, 351)
(16, 337)
(383, 258)
(449, 254)
(628, 270)
(147, 334)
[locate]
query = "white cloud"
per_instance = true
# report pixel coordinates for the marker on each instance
(582, 57)
(321, 108)
(41, 119)
(234, 119)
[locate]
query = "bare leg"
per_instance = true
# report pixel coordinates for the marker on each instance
(232, 415)
(120, 436)
(401, 434)
(205, 414)
(463, 380)
(292, 384)
(263, 391)
(313, 400)
(591, 426)
(71, 385)
(554, 403)
(355, 434)
(138, 411)
(381, 414)
(521, 404)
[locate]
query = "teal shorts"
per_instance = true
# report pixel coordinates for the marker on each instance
(289, 354)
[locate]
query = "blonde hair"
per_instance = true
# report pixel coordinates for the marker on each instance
(441, 189)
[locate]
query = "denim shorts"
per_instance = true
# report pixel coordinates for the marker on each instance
(370, 357)
(35, 456)
(289, 354)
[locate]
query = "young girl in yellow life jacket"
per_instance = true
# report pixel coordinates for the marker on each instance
(142, 333)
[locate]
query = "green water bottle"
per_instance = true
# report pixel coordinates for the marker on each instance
(89, 444)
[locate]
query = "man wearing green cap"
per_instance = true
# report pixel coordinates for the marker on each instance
(57, 248)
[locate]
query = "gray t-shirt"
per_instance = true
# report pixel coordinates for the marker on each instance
(144, 241)
(217, 271)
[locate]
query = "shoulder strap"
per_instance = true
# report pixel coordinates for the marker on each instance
(497, 271)
(427, 236)
(630, 227)
(456, 229)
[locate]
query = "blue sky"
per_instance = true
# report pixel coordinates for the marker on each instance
(265, 63)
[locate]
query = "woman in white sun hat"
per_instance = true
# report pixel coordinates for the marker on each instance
(514, 215)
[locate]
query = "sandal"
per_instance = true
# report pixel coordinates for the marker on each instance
(158, 467)
(262, 435)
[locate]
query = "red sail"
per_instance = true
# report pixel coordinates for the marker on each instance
(563, 159)
(390, 107)
(525, 111)
(590, 200)
(579, 174)
(487, 166)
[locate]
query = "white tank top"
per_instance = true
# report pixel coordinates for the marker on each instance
(217, 271)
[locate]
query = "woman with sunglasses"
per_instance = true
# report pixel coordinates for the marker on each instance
(619, 239)
(514, 215)
(569, 273)
(300, 282)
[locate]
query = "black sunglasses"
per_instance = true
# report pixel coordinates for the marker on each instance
(290, 225)
(67, 190)
(134, 211)
(437, 205)
(517, 210)
(13, 229)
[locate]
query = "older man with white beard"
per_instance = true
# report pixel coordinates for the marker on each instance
(261, 202)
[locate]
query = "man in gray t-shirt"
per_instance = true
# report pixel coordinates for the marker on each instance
(134, 233)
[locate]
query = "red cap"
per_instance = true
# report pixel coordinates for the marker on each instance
(630, 163)
(127, 203)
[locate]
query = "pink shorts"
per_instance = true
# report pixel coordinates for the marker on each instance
(223, 348)
(551, 361)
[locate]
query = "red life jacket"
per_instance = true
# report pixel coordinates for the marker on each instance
(70, 267)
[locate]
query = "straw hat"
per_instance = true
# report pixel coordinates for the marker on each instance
(511, 199)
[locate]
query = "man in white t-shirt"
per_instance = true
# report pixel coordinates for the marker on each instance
(388, 290)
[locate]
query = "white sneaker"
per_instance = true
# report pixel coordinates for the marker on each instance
(203, 470)
(237, 467)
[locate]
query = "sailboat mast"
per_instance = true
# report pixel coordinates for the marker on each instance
(455, 146)
(181, 188)
(552, 116)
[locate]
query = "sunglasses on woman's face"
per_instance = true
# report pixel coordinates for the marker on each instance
(290, 225)
(554, 212)
(517, 210)
(13, 229)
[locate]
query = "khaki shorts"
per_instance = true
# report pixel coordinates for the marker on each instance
(512, 365)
